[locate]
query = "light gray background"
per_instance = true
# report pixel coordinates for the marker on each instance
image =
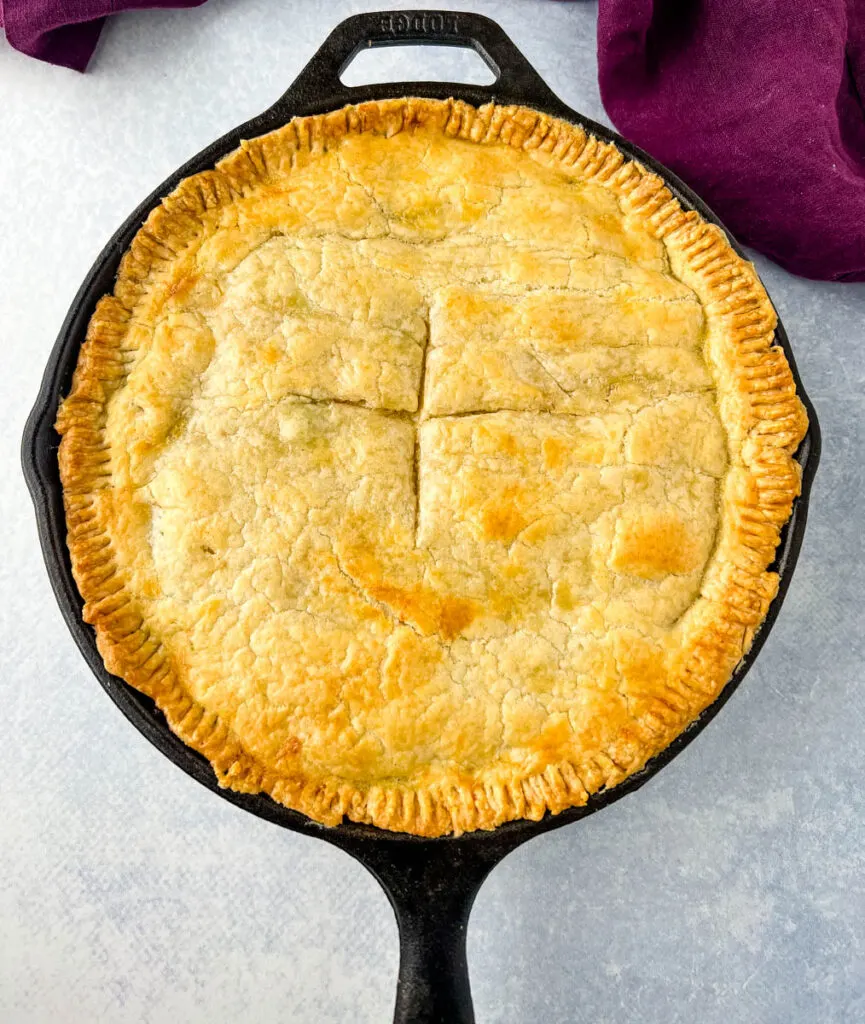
(729, 891)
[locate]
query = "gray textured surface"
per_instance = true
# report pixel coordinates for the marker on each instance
(729, 891)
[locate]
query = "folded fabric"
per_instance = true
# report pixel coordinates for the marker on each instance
(65, 31)
(757, 106)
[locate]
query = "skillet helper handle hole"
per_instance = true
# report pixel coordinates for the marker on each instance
(430, 63)
(320, 83)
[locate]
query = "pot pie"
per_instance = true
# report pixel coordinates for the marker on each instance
(426, 465)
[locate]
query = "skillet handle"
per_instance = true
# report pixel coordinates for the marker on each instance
(318, 85)
(433, 985)
(431, 886)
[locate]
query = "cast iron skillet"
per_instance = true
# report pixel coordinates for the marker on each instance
(431, 883)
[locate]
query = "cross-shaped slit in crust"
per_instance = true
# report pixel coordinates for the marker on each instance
(525, 411)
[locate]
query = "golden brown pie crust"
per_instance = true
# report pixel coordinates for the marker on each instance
(426, 464)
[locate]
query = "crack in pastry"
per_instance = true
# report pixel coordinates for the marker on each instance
(427, 463)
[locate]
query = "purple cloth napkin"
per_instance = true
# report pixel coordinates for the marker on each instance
(65, 31)
(757, 106)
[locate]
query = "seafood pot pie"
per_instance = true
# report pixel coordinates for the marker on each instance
(426, 464)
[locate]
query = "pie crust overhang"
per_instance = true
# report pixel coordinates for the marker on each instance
(426, 464)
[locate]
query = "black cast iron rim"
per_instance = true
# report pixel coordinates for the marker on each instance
(318, 90)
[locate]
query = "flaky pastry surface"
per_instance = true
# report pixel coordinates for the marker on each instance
(426, 464)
